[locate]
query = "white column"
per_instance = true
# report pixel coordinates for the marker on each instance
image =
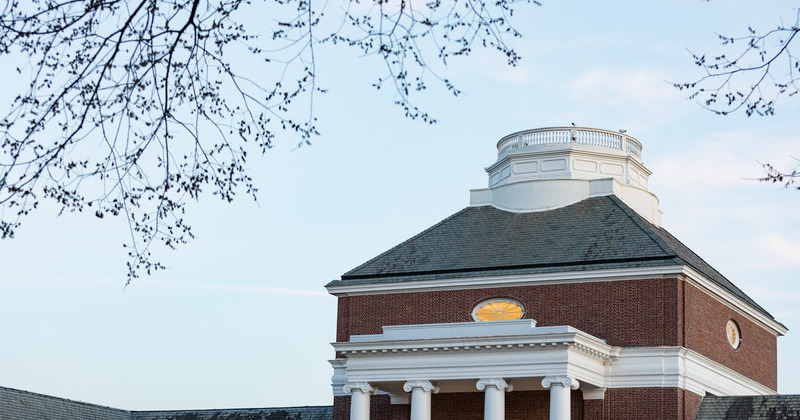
(494, 407)
(359, 399)
(420, 398)
(559, 395)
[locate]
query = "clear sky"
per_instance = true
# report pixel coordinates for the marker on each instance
(241, 318)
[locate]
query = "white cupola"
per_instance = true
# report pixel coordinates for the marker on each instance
(552, 167)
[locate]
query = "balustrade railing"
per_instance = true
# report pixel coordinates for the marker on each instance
(569, 135)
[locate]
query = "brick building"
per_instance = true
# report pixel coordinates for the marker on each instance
(556, 294)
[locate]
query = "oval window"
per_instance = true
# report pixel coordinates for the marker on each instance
(734, 334)
(498, 310)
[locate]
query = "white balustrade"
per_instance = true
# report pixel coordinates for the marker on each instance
(566, 135)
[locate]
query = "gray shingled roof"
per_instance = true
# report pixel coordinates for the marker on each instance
(23, 405)
(16, 404)
(593, 234)
(755, 407)
(286, 413)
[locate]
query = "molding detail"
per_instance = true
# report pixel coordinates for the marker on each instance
(540, 352)
(426, 386)
(565, 381)
(364, 387)
(339, 378)
(498, 383)
(593, 393)
(399, 398)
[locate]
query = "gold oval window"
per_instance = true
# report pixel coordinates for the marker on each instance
(498, 310)
(734, 334)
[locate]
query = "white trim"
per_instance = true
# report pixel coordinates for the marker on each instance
(455, 330)
(483, 282)
(339, 378)
(645, 367)
(539, 352)
(543, 194)
(593, 393)
(566, 277)
(732, 301)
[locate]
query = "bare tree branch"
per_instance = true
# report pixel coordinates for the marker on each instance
(751, 74)
(787, 179)
(135, 106)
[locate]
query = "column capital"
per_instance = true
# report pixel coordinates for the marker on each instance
(565, 381)
(364, 387)
(498, 383)
(426, 386)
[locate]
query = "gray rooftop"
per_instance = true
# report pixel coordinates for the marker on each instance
(16, 404)
(285, 413)
(756, 407)
(593, 234)
(23, 405)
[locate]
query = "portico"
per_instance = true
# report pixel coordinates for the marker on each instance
(493, 358)
(411, 362)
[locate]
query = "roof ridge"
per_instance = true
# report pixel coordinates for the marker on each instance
(658, 231)
(419, 235)
(644, 225)
(711, 267)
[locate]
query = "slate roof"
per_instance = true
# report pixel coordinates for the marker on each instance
(16, 404)
(593, 234)
(756, 407)
(23, 405)
(286, 413)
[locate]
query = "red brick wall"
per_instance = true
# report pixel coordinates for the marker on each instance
(642, 404)
(461, 406)
(380, 408)
(690, 403)
(594, 409)
(625, 313)
(705, 320)
(651, 312)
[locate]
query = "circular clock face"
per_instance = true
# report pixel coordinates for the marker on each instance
(733, 333)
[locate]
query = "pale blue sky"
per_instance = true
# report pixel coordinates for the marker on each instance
(241, 318)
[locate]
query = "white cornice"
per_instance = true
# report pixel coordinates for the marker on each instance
(546, 351)
(589, 346)
(639, 367)
(519, 280)
(732, 301)
(529, 352)
(483, 282)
